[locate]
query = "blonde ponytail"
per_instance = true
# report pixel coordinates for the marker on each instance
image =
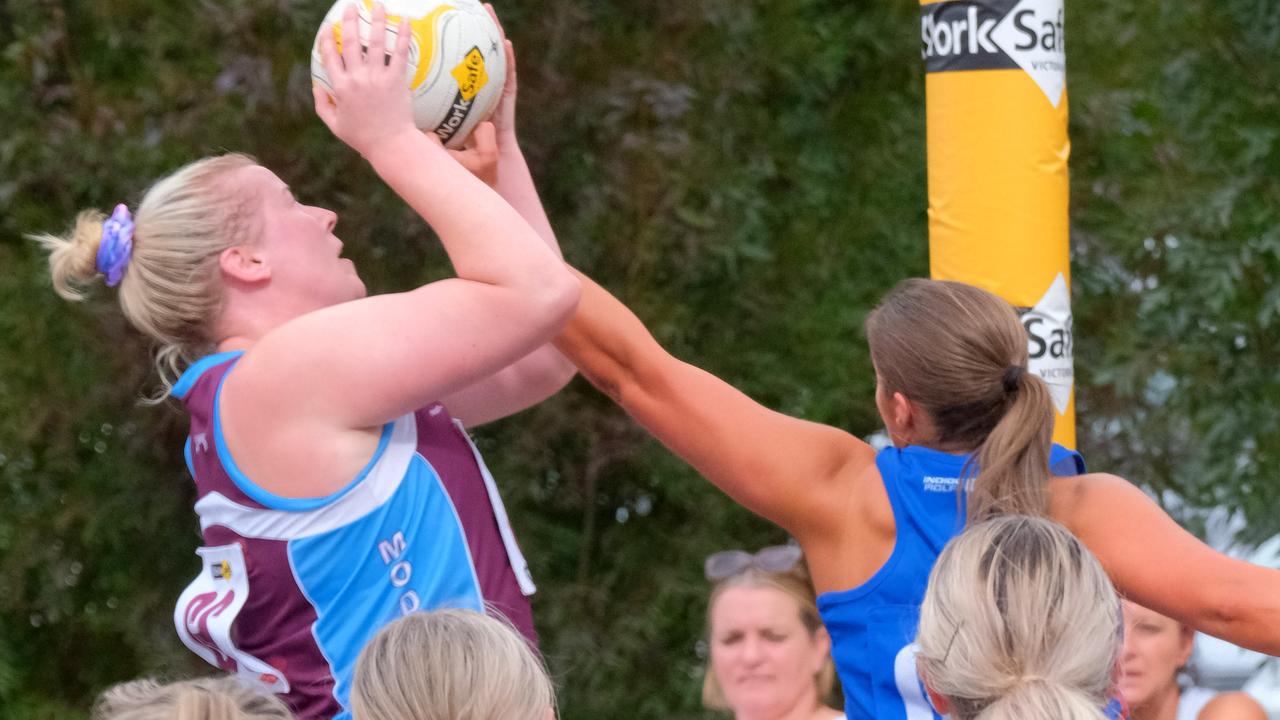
(72, 260)
(171, 289)
(961, 353)
(1040, 700)
(1019, 621)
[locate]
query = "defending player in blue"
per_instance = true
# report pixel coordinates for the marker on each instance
(963, 412)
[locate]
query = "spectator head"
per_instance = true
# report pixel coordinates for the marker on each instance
(1156, 648)
(769, 652)
(1019, 621)
(450, 665)
(212, 698)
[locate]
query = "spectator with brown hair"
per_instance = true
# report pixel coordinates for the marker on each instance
(1156, 650)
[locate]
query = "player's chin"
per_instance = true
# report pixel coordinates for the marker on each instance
(355, 288)
(353, 278)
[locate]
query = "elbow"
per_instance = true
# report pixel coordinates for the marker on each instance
(557, 299)
(553, 372)
(562, 374)
(632, 388)
(610, 384)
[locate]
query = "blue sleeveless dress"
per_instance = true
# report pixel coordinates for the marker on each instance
(873, 626)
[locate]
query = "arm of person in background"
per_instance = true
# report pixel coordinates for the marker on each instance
(369, 361)
(1157, 564)
(545, 371)
(1232, 706)
(812, 479)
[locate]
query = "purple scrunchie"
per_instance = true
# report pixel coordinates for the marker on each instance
(117, 245)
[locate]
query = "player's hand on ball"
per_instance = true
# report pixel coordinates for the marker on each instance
(480, 154)
(370, 105)
(504, 116)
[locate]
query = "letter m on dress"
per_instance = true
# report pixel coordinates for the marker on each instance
(392, 549)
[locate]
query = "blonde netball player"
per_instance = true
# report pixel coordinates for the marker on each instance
(336, 491)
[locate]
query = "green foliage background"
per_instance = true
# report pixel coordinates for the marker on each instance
(748, 175)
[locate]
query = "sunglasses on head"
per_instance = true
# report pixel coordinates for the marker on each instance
(774, 559)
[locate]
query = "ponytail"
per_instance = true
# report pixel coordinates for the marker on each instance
(1040, 700)
(169, 285)
(72, 259)
(1013, 462)
(961, 354)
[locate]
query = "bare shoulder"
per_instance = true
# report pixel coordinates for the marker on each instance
(281, 439)
(869, 499)
(1233, 706)
(1073, 497)
(862, 539)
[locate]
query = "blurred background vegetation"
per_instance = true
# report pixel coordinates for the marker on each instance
(749, 175)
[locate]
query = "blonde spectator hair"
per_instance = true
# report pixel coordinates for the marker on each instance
(450, 665)
(1019, 622)
(212, 698)
(795, 584)
(171, 290)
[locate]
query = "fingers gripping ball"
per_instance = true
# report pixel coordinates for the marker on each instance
(457, 65)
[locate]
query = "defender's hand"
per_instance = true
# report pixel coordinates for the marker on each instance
(480, 153)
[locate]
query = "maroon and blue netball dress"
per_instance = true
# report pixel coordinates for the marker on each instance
(290, 590)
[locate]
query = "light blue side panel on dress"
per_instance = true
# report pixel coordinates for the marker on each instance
(408, 554)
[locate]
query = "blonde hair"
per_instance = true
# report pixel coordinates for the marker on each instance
(450, 665)
(171, 290)
(961, 353)
(212, 698)
(1019, 622)
(795, 584)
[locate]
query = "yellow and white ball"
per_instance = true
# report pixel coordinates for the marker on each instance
(457, 66)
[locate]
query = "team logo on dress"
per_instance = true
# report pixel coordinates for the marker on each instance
(206, 612)
(196, 616)
(221, 571)
(933, 483)
(997, 35)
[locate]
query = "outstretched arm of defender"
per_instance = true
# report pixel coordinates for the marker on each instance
(785, 469)
(1157, 564)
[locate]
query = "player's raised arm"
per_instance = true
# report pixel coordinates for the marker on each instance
(372, 360)
(496, 157)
